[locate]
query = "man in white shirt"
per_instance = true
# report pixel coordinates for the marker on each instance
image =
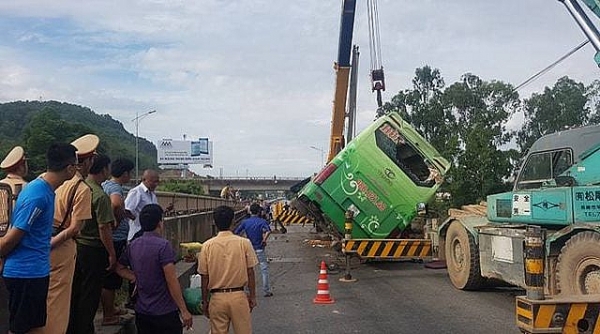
(140, 196)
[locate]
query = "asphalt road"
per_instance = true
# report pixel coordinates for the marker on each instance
(393, 297)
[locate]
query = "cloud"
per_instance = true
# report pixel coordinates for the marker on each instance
(257, 76)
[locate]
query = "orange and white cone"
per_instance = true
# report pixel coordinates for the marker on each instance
(323, 296)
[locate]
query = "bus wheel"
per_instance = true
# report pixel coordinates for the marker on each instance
(462, 258)
(578, 267)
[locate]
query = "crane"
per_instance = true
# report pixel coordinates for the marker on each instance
(584, 22)
(343, 67)
(572, 265)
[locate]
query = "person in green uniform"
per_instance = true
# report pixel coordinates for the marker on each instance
(95, 252)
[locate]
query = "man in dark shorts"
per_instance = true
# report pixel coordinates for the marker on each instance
(121, 170)
(26, 245)
(95, 252)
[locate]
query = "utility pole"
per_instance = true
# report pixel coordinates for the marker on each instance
(322, 155)
(137, 140)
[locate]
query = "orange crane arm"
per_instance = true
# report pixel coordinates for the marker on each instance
(342, 69)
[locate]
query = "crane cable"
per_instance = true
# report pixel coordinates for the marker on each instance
(551, 66)
(374, 39)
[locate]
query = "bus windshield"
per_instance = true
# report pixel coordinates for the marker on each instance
(392, 143)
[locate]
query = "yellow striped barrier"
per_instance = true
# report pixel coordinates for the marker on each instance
(289, 216)
(390, 248)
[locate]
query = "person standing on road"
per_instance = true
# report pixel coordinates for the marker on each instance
(72, 207)
(95, 252)
(26, 246)
(226, 264)
(121, 170)
(140, 196)
(160, 303)
(258, 230)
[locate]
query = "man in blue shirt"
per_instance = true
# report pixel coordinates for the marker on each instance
(258, 231)
(26, 246)
(121, 170)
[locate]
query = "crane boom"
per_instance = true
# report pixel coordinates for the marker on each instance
(342, 68)
(584, 22)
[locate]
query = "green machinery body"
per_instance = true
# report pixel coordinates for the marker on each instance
(558, 189)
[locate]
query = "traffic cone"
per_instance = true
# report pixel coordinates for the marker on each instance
(323, 296)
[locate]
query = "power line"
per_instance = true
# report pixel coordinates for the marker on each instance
(549, 67)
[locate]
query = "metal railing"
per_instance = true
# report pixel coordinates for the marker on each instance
(184, 204)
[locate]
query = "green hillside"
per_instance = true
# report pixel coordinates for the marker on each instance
(35, 125)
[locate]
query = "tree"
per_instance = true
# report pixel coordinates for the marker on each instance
(563, 106)
(422, 107)
(593, 97)
(36, 124)
(482, 109)
(46, 127)
(193, 187)
(466, 122)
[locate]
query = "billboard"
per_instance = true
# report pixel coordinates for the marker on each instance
(185, 151)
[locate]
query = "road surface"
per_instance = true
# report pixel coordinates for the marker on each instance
(393, 297)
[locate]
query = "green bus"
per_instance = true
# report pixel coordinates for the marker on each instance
(384, 176)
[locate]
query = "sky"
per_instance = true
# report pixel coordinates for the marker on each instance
(256, 77)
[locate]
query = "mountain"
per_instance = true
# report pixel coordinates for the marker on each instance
(35, 125)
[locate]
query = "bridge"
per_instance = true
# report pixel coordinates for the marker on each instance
(251, 183)
(269, 187)
(246, 185)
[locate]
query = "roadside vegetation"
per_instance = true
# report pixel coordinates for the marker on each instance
(483, 127)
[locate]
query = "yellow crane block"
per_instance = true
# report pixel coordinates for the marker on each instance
(569, 314)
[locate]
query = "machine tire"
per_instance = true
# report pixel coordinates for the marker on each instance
(462, 258)
(578, 267)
